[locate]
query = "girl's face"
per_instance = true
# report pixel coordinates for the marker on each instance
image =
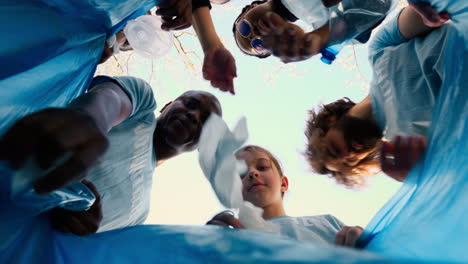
(262, 184)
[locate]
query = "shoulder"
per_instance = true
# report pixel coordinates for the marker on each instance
(138, 90)
(388, 34)
(328, 218)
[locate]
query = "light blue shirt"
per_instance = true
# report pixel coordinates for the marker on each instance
(318, 229)
(407, 75)
(458, 16)
(124, 174)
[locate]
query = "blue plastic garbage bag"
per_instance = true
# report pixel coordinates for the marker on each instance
(172, 244)
(50, 49)
(27, 237)
(428, 217)
(458, 13)
(425, 221)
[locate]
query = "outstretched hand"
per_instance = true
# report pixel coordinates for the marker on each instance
(430, 17)
(49, 135)
(79, 223)
(399, 156)
(219, 67)
(176, 14)
(288, 41)
(226, 219)
(348, 235)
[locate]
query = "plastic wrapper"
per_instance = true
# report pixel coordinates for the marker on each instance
(217, 148)
(19, 200)
(350, 21)
(351, 18)
(147, 38)
(74, 197)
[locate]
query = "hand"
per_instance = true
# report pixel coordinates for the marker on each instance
(430, 17)
(330, 3)
(397, 158)
(48, 135)
(348, 235)
(219, 67)
(106, 53)
(79, 223)
(226, 219)
(288, 41)
(176, 14)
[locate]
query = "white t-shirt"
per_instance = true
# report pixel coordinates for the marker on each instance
(315, 229)
(123, 177)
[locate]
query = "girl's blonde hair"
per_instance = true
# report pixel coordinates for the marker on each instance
(253, 148)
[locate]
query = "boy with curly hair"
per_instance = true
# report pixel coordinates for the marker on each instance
(344, 138)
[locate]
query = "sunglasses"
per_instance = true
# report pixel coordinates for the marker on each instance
(245, 29)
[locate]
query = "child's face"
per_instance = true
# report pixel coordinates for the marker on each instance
(349, 141)
(252, 17)
(262, 184)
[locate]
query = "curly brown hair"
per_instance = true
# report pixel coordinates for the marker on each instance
(317, 127)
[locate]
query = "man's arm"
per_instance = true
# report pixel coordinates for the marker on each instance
(412, 23)
(406, 25)
(106, 103)
(204, 27)
(77, 132)
(219, 65)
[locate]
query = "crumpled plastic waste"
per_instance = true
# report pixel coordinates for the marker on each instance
(73, 197)
(217, 148)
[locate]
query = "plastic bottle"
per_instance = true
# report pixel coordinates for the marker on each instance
(147, 38)
(347, 19)
(329, 53)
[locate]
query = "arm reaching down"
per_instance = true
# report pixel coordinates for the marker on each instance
(219, 66)
(419, 19)
(78, 131)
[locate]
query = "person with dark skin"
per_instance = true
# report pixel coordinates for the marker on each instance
(115, 143)
(55, 61)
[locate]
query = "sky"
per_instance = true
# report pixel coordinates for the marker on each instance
(275, 99)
